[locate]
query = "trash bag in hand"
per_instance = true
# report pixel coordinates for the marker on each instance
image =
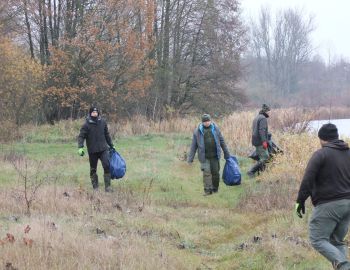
(232, 173)
(117, 165)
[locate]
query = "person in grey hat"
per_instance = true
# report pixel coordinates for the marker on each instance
(327, 181)
(208, 140)
(260, 140)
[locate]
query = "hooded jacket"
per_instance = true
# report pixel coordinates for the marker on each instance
(96, 134)
(198, 143)
(327, 175)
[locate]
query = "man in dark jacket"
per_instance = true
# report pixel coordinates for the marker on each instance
(208, 139)
(327, 181)
(260, 139)
(98, 141)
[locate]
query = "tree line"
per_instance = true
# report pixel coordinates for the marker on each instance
(157, 58)
(284, 65)
(149, 57)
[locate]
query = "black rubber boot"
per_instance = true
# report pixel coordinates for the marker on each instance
(94, 181)
(107, 178)
(257, 167)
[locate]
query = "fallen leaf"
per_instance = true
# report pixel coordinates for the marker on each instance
(10, 238)
(28, 241)
(27, 229)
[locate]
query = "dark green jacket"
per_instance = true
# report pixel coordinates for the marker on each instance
(260, 129)
(327, 175)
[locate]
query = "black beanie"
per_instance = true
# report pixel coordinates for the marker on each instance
(328, 132)
(92, 109)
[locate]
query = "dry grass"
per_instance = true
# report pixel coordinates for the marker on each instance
(174, 228)
(279, 184)
(78, 229)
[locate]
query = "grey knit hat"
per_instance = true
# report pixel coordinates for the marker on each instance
(206, 117)
(265, 108)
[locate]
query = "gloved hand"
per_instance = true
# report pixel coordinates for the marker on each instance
(112, 147)
(81, 152)
(265, 145)
(300, 209)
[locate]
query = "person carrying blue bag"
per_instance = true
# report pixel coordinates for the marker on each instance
(232, 173)
(98, 141)
(208, 140)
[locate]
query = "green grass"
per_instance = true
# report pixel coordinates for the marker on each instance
(197, 232)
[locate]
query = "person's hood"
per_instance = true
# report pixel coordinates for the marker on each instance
(264, 114)
(92, 120)
(337, 144)
(201, 127)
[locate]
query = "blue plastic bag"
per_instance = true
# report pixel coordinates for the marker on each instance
(117, 165)
(232, 173)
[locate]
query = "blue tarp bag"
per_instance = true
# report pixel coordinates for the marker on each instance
(117, 165)
(232, 173)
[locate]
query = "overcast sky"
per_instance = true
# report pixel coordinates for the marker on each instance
(332, 21)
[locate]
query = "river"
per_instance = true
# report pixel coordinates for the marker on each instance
(343, 126)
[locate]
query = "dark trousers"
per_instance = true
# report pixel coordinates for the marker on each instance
(94, 157)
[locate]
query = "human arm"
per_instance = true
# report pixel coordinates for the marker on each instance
(309, 178)
(223, 145)
(193, 149)
(108, 137)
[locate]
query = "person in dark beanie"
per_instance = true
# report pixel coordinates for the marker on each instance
(327, 181)
(98, 141)
(260, 140)
(209, 141)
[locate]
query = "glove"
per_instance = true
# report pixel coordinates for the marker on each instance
(265, 145)
(81, 152)
(112, 147)
(300, 209)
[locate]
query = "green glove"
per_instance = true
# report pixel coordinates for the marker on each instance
(81, 152)
(112, 147)
(300, 209)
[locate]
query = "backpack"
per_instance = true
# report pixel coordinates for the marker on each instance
(117, 165)
(232, 173)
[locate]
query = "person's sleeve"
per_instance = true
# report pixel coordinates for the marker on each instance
(193, 149)
(262, 125)
(223, 145)
(309, 178)
(108, 136)
(82, 135)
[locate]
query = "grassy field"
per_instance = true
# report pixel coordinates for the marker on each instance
(157, 217)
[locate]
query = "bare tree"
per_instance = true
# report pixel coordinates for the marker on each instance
(281, 46)
(31, 182)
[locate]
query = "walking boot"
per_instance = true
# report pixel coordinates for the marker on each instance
(341, 265)
(257, 167)
(94, 181)
(207, 192)
(107, 178)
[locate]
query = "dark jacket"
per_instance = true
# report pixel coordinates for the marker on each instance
(260, 129)
(327, 175)
(96, 135)
(198, 143)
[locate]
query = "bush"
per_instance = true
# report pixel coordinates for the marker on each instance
(9, 131)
